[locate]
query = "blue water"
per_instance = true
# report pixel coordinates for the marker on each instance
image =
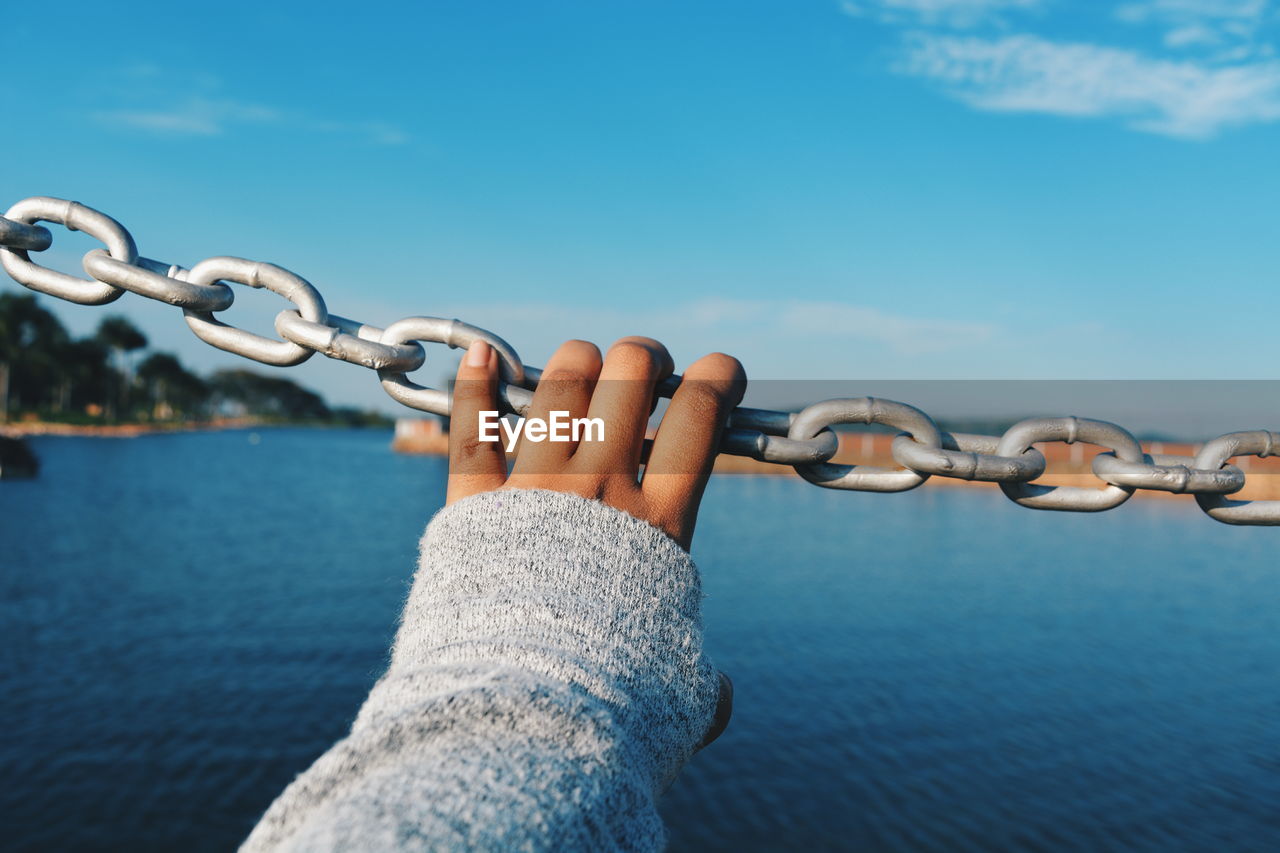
(186, 621)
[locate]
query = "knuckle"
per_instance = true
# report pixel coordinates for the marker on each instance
(472, 391)
(471, 446)
(716, 375)
(639, 339)
(582, 354)
(564, 382)
(636, 355)
(717, 365)
(704, 399)
(580, 347)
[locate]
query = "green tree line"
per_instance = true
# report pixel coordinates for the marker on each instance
(111, 376)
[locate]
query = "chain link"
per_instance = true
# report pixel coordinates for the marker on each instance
(968, 457)
(1020, 437)
(1214, 455)
(804, 440)
(864, 410)
(20, 235)
(75, 217)
(350, 341)
(171, 285)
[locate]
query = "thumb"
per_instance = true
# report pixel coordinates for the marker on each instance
(474, 466)
(724, 710)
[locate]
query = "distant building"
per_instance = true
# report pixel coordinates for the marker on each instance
(421, 435)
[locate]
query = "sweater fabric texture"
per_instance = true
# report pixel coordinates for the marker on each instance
(546, 684)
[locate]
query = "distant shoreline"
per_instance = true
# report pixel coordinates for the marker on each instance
(1069, 465)
(25, 429)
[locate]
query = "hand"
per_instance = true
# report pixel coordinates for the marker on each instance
(620, 391)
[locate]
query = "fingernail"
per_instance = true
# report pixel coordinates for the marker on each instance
(478, 354)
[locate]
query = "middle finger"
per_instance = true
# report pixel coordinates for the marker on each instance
(623, 400)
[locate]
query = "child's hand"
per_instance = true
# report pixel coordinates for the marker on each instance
(620, 392)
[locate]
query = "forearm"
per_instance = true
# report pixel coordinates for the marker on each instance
(547, 682)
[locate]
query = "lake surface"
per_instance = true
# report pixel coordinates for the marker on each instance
(187, 621)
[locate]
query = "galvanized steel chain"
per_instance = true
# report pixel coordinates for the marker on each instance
(804, 440)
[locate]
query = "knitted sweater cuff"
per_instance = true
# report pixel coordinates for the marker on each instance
(547, 681)
(575, 591)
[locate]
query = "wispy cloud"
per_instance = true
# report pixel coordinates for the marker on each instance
(779, 338)
(1214, 67)
(152, 101)
(194, 116)
(1237, 16)
(899, 333)
(1030, 74)
(957, 13)
(1229, 30)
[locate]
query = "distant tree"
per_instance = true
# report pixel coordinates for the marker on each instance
(354, 417)
(170, 388)
(87, 375)
(120, 336)
(118, 333)
(268, 396)
(43, 369)
(30, 339)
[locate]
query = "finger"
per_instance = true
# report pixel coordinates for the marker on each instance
(566, 385)
(724, 711)
(688, 438)
(474, 466)
(622, 400)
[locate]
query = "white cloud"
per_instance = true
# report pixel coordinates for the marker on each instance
(1026, 73)
(1231, 25)
(1191, 35)
(1191, 68)
(960, 13)
(196, 116)
(156, 102)
(1176, 11)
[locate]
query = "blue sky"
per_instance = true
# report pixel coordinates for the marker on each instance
(859, 190)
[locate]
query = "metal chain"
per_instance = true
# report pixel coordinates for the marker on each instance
(802, 439)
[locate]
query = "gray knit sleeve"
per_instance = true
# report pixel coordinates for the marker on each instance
(547, 682)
